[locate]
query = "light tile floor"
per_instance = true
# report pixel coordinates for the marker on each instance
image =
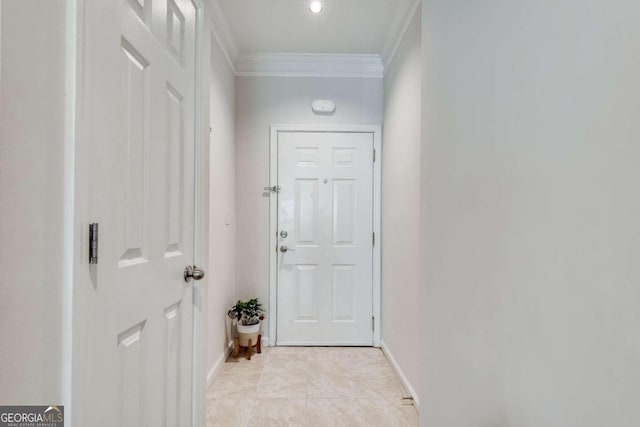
(309, 386)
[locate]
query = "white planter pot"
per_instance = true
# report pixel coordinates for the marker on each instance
(248, 332)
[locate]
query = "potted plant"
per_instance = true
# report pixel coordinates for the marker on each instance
(249, 314)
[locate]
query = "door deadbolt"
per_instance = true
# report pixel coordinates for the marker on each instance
(284, 234)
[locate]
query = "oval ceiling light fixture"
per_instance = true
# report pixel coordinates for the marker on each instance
(315, 6)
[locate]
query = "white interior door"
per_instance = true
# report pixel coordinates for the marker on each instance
(325, 219)
(139, 100)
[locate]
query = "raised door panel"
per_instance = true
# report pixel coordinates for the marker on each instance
(142, 8)
(344, 210)
(306, 293)
(307, 156)
(174, 173)
(344, 293)
(175, 30)
(173, 329)
(344, 157)
(132, 376)
(134, 143)
(306, 211)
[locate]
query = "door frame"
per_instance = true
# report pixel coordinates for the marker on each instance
(376, 130)
(76, 271)
(200, 222)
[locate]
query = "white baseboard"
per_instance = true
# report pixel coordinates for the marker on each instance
(213, 372)
(403, 378)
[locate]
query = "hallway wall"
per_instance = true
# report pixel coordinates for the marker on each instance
(32, 201)
(401, 206)
(222, 214)
(260, 102)
(530, 206)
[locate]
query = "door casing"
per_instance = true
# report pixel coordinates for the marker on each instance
(376, 130)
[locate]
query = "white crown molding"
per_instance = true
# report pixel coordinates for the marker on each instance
(398, 30)
(309, 65)
(222, 33)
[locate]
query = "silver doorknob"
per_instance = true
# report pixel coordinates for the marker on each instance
(285, 249)
(193, 272)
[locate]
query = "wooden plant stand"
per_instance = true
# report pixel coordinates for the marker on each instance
(237, 346)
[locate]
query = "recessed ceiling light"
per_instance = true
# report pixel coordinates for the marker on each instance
(315, 6)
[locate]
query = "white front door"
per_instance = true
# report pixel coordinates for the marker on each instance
(136, 316)
(325, 219)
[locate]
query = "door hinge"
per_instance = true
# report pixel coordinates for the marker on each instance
(374, 155)
(374, 238)
(373, 323)
(93, 243)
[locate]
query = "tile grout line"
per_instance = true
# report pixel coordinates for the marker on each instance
(255, 396)
(387, 405)
(306, 387)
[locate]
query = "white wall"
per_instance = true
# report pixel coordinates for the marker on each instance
(222, 189)
(531, 207)
(260, 102)
(401, 205)
(32, 108)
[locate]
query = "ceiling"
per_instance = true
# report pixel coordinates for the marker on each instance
(282, 38)
(287, 26)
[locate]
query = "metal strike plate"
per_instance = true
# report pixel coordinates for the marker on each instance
(275, 189)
